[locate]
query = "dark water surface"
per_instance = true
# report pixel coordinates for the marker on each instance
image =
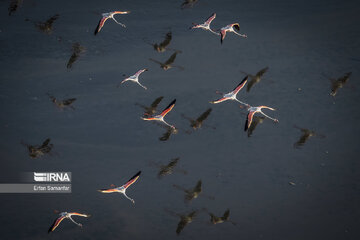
(104, 141)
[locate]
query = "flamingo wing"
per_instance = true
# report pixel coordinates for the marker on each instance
(249, 119)
(111, 190)
(220, 100)
(56, 223)
(240, 85)
(100, 25)
(210, 19)
(168, 108)
(80, 214)
(132, 180)
(140, 71)
(222, 34)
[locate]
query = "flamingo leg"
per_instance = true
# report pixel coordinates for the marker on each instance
(132, 200)
(274, 119)
(123, 25)
(167, 124)
(142, 85)
(241, 35)
(214, 32)
(79, 224)
(241, 102)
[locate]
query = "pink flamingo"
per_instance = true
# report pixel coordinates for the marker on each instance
(206, 24)
(122, 189)
(135, 78)
(253, 110)
(161, 116)
(232, 95)
(230, 28)
(106, 16)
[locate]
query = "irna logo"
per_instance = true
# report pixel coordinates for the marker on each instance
(52, 177)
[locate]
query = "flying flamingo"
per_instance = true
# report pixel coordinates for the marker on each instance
(232, 95)
(67, 215)
(230, 28)
(252, 111)
(135, 78)
(123, 188)
(161, 116)
(106, 16)
(206, 24)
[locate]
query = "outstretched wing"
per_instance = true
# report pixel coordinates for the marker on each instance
(100, 25)
(132, 180)
(56, 224)
(240, 85)
(210, 19)
(168, 108)
(110, 190)
(222, 35)
(249, 119)
(80, 214)
(140, 71)
(219, 100)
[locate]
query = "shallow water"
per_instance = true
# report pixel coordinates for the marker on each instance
(104, 141)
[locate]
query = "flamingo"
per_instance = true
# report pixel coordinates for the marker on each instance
(122, 189)
(252, 111)
(161, 116)
(135, 78)
(232, 95)
(230, 28)
(67, 215)
(106, 16)
(206, 24)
